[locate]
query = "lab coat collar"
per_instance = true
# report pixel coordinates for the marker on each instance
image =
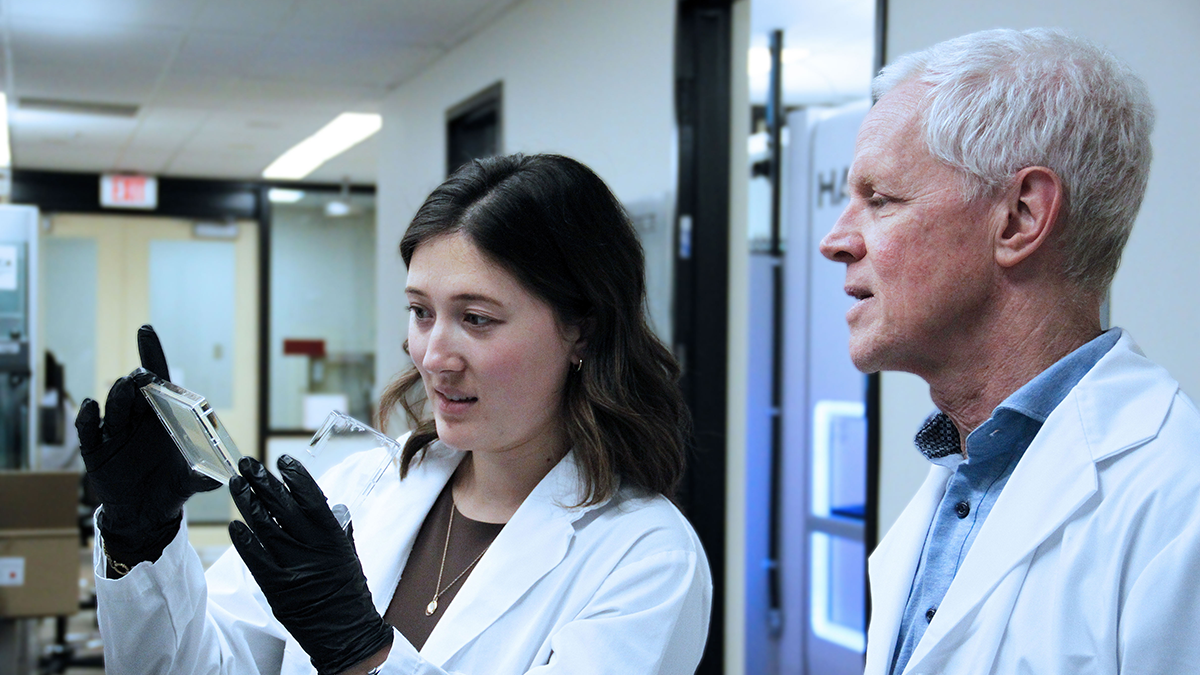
(894, 563)
(531, 544)
(1120, 404)
(402, 507)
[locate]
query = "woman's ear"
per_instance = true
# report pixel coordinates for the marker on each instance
(577, 334)
(1032, 204)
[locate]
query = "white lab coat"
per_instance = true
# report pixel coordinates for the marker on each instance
(1090, 560)
(620, 588)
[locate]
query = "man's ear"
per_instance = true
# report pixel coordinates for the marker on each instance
(1032, 203)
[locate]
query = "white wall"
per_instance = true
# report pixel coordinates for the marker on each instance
(592, 80)
(1154, 292)
(738, 355)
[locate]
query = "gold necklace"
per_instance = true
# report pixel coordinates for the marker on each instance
(433, 604)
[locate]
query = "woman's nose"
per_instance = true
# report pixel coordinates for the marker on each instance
(441, 350)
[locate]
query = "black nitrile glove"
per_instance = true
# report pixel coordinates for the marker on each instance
(306, 565)
(135, 469)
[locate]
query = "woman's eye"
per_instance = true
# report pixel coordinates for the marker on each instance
(418, 312)
(476, 320)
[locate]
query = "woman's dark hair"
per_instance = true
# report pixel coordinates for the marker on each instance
(555, 226)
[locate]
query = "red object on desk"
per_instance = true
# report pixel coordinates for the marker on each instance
(296, 347)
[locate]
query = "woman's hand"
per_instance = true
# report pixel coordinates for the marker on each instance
(306, 566)
(135, 468)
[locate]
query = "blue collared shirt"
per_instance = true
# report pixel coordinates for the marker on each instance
(993, 450)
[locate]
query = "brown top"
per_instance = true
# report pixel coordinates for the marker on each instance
(409, 610)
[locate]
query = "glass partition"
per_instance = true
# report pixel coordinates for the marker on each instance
(322, 344)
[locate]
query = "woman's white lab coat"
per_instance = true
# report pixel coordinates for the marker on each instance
(1090, 560)
(620, 588)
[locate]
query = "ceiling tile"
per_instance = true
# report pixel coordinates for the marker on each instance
(64, 158)
(455, 20)
(214, 163)
(177, 13)
(152, 160)
(95, 150)
(43, 125)
(375, 20)
(113, 66)
(167, 126)
(202, 92)
(273, 134)
(323, 61)
(210, 52)
(243, 17)
(303, 98)
(224, 86)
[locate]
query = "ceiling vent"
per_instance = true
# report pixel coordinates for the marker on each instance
(77, 107)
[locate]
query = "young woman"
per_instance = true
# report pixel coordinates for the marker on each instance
(529, 527)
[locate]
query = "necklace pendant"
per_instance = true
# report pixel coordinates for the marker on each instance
(431, 607)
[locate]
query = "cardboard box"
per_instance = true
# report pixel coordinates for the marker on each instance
(39, 543)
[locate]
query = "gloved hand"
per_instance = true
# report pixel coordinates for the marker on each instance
(135, 469)
(306, 566)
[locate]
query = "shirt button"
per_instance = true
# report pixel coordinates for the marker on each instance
(929, 614)
(962, 509)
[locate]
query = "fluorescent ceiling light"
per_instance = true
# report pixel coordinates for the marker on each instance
(5, 151)
(284, 196)
(343, 133)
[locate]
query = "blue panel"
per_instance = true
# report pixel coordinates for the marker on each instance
(192, 310)
(847, 599)
(758, 462)
(838, 611)
(69, 306)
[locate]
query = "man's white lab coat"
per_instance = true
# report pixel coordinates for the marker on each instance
(620, 588)
(1090, 560)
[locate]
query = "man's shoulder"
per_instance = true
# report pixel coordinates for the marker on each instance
(1125, 401)
(1162, 468)
(1173, 452)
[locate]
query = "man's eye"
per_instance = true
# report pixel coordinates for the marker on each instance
(877, 200)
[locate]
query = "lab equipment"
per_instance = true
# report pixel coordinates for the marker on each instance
(194, 427)
(341, 436)
(19, 322)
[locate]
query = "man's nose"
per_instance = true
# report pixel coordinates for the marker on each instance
(844, 243)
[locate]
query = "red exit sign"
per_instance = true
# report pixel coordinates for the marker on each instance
(124, 191)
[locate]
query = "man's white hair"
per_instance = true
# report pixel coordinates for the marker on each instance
(998, 101)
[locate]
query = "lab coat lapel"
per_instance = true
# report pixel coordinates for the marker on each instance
(533, 543)
(1054, 479)
(893, 564)
(399, 509)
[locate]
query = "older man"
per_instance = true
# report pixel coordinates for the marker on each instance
(994, 185)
